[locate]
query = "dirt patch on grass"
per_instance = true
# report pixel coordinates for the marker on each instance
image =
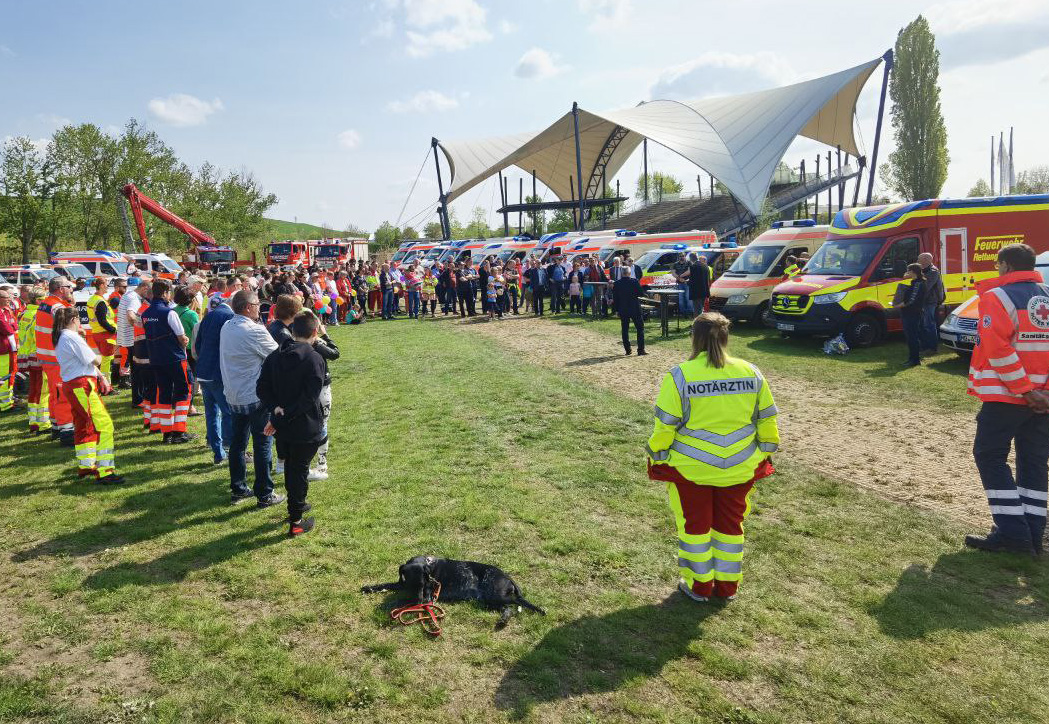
(910, 455)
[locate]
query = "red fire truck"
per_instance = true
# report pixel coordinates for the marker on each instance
(289, 253)
(849, 284)
(205, 255)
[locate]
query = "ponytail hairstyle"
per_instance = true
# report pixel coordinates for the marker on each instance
(63, 317)
(710, 335)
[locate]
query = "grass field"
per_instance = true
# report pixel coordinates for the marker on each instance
(160, 602)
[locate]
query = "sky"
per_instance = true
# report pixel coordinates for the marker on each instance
(332, 105)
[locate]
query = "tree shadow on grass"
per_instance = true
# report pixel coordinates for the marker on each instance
(600, 653)
(157, 512)
(176, 565)
(965, 591)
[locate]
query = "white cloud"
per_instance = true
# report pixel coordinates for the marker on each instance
(383, 29)
(349, 139)
(716, 73)
(444, 25)
(967, 15)
(606, 15)
(506, 27)
(53, 119)
(6, 52)
(181, 109)
(423, 102)
(537, 64)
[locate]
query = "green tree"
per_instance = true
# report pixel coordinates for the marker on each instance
(409, 234)
(980, 188)
(918, 165)
(536, 219)
(22, 172)
(561, 220)
(1033, 181)
(433, 231)
(478, 226)
(659, 185)
(387, 235)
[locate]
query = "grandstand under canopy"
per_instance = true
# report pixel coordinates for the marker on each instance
(739, 140)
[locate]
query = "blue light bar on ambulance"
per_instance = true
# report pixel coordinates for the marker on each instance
(679, 247)
(792, 223)
(625, 232)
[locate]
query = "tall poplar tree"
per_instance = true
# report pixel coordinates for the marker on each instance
(917, 169)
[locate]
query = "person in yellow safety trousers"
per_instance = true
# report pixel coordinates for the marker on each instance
(715, 430)
(36, 409)
(83, 385)
(60, 295)
(102, 337)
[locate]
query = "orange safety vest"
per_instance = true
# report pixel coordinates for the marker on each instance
(140, 330)
(45, 320)
(1011, 357)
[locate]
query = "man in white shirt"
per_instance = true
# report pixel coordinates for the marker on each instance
(244, 344)
(130, 303)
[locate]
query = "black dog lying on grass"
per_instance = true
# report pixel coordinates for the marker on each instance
(458, 581)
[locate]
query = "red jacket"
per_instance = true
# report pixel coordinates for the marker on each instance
(8, 331)
(1011, 357)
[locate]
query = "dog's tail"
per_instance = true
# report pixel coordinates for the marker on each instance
(522, 601)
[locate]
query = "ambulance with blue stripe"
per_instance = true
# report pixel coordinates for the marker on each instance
(849, 283)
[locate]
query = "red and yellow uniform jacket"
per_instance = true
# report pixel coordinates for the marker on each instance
(45, 348)
(1011, 357)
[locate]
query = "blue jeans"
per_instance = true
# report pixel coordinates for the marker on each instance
(250, 419)
(413, 304)
(930, 330)
(387, 304)
(217, 419)
(685, 303)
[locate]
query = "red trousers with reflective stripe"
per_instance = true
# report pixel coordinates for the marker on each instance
(57, 403)
(710, 508)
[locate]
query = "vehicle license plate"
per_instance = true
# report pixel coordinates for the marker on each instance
(782, 326)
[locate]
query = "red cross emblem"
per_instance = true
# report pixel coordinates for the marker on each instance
(1038, 311)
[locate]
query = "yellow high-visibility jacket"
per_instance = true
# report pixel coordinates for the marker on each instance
(27, 331)
(714, 426)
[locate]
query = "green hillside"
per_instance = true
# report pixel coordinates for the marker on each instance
(278, 229)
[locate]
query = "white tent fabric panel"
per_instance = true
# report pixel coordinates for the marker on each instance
(737, 139)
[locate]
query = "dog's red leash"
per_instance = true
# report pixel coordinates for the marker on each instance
(429, 614)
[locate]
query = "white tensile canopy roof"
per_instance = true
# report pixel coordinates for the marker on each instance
(739, 140)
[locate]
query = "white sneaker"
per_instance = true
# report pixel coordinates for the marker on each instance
(278, 467)
(317, 475)
(687, 590)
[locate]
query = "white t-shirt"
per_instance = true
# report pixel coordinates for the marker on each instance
(75, 358)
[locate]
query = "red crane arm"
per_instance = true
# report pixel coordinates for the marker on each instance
(139, 201)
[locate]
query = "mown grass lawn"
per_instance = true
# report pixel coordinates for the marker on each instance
(160, 602)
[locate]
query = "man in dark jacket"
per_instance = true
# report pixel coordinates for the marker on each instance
(625, 296)
(934, 297)
(698, 282)
(289, 386)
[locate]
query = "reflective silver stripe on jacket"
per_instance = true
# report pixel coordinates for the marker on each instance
(714, 438)
(665, 417)
(767, 412)
(768, 447)
(679, 381)
(711, 459)
(661, 455)
(1007, 303)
